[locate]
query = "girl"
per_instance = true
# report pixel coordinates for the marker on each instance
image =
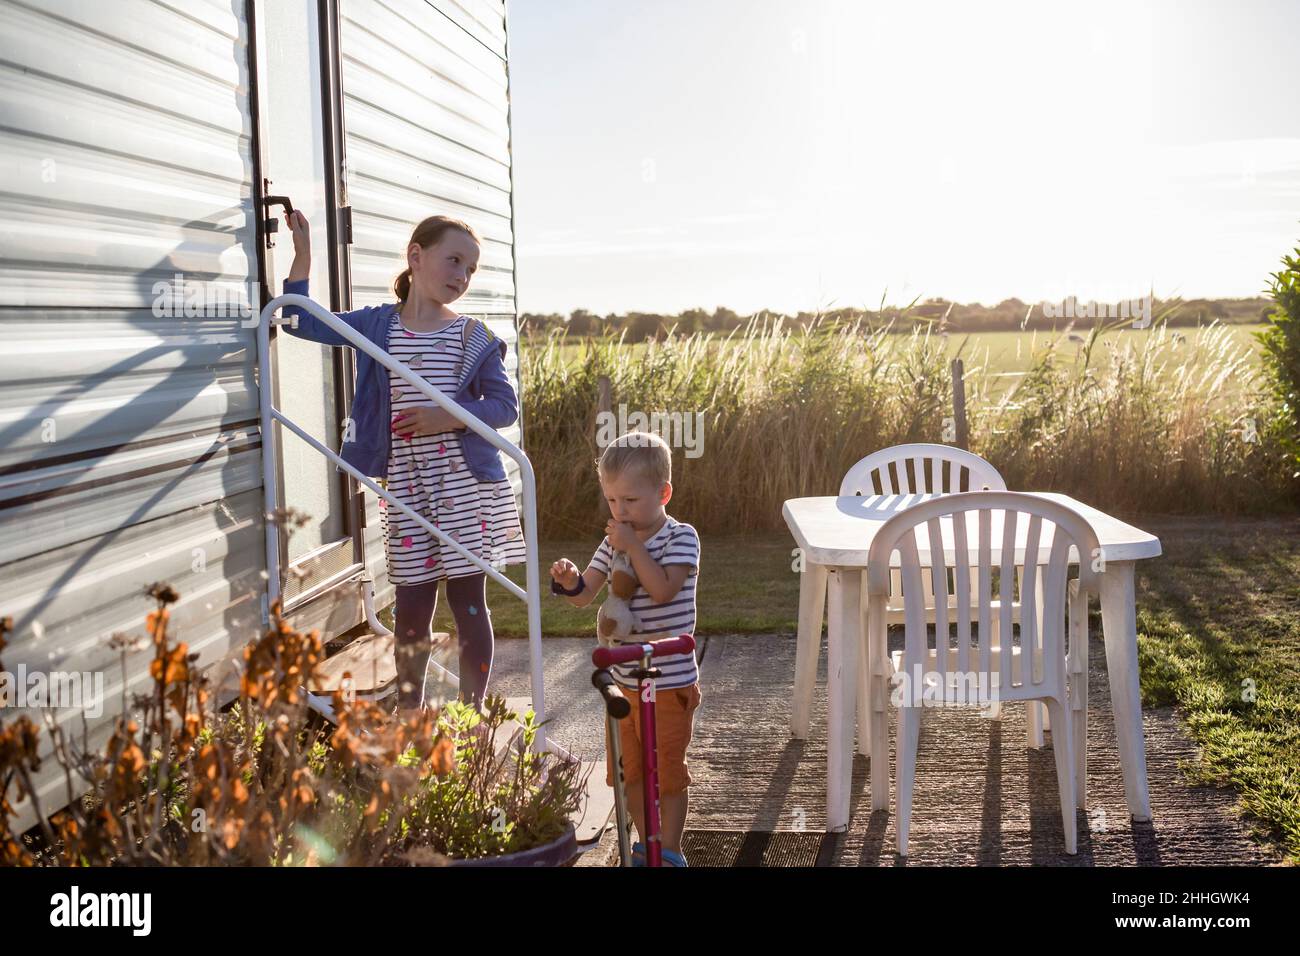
(423, 456)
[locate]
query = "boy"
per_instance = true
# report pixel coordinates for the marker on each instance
(636, 476)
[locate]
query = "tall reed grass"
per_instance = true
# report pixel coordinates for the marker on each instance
(1161, 426)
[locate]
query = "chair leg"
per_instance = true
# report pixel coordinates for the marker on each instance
(879, 731)
(864, 701)
(909, 735)
(1038, 720)
(995, 709)
(1063, 750)
(1034, 721)
(812, 602)
(879, 671)
(1077, 665)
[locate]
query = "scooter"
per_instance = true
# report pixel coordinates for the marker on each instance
(618, 707)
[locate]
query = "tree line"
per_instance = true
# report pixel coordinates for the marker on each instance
(941, 315)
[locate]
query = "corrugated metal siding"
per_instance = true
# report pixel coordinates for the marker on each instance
(426, 115)
(485, 20)
(127, 159)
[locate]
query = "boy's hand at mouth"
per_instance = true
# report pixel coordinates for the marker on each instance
(622, 536)
(424, 420)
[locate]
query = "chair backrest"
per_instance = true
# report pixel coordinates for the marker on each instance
(928, 473)
(960, 535)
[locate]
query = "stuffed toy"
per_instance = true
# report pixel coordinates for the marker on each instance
(615, 621)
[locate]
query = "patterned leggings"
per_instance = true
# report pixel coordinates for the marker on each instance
(416, 604)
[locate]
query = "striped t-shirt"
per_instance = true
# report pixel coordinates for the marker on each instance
(674, 543)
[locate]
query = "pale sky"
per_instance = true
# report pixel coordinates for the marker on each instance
(769, 154)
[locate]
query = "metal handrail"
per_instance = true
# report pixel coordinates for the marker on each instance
(530, 595)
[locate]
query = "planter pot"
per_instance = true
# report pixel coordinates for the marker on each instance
(556, 853)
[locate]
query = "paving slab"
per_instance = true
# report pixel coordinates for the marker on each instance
(983, 797)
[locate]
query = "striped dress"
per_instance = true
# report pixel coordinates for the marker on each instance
(429, 475)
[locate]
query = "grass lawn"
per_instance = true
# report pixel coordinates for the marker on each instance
(746, 585)
(1218, 626)
(1219, 637)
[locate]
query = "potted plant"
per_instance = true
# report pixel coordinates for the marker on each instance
(266, 783)
(508, 806)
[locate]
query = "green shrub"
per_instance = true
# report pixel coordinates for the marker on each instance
(1281, 342)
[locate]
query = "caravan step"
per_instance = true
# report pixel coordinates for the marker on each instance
(371, 661)
(599, 808)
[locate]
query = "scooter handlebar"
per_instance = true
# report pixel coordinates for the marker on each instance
(623, 653)
(616, 705)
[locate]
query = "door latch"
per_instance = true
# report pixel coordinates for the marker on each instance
(271, 224)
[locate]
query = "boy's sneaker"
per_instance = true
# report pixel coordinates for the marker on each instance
(670, 857)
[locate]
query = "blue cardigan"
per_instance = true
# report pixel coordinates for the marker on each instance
(483, 389)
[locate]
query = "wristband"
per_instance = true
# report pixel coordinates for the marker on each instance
(557, 588)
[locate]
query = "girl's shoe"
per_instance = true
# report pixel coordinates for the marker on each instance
(638, 854)
(673, 858)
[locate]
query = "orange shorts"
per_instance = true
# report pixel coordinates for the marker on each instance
(674, 720)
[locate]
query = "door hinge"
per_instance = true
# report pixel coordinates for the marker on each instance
(345, 225)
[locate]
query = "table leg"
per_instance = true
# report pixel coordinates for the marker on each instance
(842, 672)
(864, 673)
(808, 644)
(1119, 628)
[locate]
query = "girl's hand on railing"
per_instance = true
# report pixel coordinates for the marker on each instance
(424, 420)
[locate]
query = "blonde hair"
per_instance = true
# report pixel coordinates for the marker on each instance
(426, 234)
(643, 453)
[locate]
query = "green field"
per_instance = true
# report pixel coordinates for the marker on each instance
(1012, 351)
(998, 352)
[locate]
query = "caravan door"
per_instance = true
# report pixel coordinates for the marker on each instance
(313, 382)
(425, 109)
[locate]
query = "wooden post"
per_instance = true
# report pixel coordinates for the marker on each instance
(959, 404)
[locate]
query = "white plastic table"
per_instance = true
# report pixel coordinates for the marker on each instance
(834, 535)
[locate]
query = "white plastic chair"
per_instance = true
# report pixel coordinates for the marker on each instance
(1035, 670)
(1076, 662)
(920, 469)
(899, 469)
